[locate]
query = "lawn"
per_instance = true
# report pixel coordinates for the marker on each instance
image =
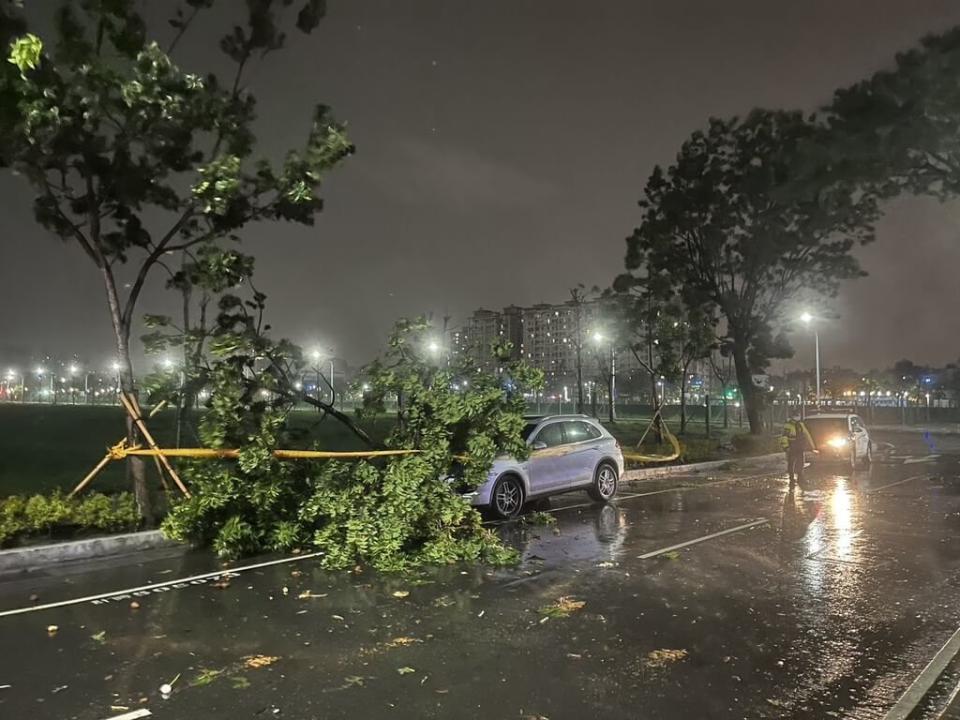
(731, 442)
(43, 447)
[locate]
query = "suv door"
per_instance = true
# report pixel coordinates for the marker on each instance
(547, 462)
(860, 438)
(584, 453)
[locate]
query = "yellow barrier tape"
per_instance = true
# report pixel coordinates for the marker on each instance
(675, 455)
(121, 451)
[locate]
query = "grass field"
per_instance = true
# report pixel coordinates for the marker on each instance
(43, 447)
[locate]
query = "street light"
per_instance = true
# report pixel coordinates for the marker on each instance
(599, 338)
(808, 319)
(317, 356)
(116, 367)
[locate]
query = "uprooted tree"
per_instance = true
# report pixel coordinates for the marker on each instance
(725, 228)
(133, 159)
(391, 513)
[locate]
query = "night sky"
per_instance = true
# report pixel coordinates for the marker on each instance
(501, 148)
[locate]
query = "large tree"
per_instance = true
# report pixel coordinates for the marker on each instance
(726, 229)
(899, 129)
(133, 159)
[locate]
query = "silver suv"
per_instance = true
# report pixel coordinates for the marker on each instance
(567, 452)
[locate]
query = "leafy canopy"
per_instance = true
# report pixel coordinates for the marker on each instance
(390, 513)
(723, 230)
(129, 154)
(898, 129)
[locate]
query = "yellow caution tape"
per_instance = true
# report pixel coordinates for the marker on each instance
(121, 451)
(675, 455)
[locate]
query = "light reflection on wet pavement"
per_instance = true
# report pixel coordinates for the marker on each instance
(829, 610)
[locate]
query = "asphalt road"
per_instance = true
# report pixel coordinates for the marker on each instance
(824, 603)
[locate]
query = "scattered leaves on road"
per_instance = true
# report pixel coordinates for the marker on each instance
(563, 607)
(403, 641)
(538, 518)
(310, 595)
(205, 677)
(100, 637)
(401, 593)
(661, 658)
(52, 629)
(672, 555)
(406, 670)
(239, 682)
(259, 661)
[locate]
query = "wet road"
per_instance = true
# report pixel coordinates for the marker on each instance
(824, 603)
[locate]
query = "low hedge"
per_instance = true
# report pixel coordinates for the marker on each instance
(22, 517)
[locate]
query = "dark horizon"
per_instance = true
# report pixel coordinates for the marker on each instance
(501, 151)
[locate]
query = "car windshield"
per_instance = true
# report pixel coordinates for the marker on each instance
(822, 429)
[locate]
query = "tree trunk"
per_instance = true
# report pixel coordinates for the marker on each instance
(579, 372)
(748, 393)
(683, 402)
(136, 469)
(611, 412)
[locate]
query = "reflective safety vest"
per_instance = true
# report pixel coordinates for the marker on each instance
(794, 432)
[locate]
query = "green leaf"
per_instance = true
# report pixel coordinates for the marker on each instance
(25, 52)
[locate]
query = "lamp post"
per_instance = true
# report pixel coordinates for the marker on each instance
(116, 366)
(599, 339)
(808, 320)
(317, 356)
(73, 391)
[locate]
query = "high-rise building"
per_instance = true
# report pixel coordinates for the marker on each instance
(546, 336)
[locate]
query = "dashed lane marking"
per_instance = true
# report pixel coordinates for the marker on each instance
(705, 538)
(165, 586)
(132, 715)
(870, 491)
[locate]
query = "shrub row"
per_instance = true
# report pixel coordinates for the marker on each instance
(22, 517)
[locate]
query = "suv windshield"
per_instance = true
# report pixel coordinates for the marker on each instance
(822, 429)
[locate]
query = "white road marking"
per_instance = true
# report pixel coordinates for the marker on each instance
(926, 458)
(893, 484)
(695, 541)
(914, 694)
(154, 586)
(132, 715)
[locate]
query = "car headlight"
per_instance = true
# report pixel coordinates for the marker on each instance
(837, 442)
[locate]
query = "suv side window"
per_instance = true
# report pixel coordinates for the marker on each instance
(856, 425)
(576, 431)
(585, 431)
(551, 435)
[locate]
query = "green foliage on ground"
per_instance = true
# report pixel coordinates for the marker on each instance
(391, 513)
(23, 517)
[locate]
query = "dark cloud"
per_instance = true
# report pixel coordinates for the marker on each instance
(502, 147)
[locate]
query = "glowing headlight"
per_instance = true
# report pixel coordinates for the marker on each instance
(837, 442)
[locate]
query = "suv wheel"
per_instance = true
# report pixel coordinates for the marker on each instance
(605, 483)
(506, 501)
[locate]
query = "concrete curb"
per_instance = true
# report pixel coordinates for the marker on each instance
(20, 559)
(692, 468)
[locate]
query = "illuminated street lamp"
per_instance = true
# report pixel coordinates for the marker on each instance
(807, 320)
(317, 356)
(116, 367)
(599, 339)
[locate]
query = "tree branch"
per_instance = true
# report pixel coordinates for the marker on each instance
(148, 263)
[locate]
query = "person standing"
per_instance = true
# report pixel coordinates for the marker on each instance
(796, 441)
